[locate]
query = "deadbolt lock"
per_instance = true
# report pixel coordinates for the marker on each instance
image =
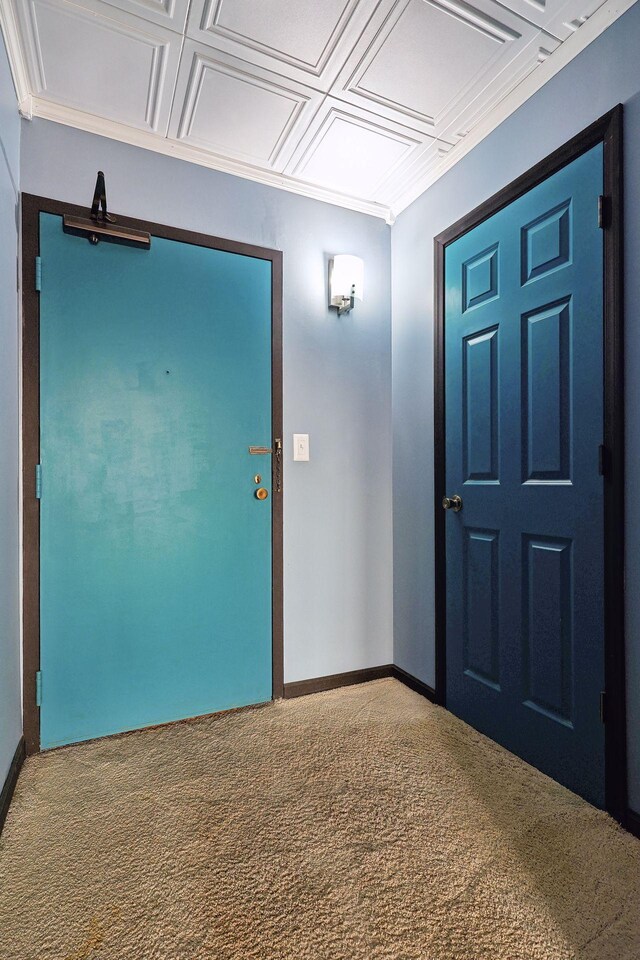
(452, 503)
(262, 493)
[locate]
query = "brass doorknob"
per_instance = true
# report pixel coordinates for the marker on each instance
(261, 493)
(452, 503)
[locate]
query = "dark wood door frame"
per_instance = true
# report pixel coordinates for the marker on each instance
(608, 131)
(31, 208)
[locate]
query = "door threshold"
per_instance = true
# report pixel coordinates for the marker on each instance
(217, 714)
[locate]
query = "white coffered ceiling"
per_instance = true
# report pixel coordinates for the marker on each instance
(359, 102)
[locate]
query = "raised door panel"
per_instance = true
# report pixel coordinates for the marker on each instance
(480, 442)
(480, 281)
(546, 242)
(547, 632)
(481, 623)
(546, 393)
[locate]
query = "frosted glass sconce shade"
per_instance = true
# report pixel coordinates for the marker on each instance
(346, 281)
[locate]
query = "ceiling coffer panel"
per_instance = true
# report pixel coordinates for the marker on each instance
(431, 58)
(101, 61)
(351, 150)
(360, 102)
(306, 40)
(249, 115)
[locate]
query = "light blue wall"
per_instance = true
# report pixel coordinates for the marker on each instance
(10, 685)
(337, 377)
(606, 73)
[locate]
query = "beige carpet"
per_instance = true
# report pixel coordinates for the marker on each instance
(353, 825)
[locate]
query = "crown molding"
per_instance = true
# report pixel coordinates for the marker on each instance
(590, 30)
(174, 148)
(15, 54)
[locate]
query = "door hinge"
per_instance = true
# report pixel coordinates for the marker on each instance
(602, 460)
(38, 481)
(603, 211)
(39, 688)
(38, 274)
(603, 707)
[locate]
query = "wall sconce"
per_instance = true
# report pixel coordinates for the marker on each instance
(346, 282)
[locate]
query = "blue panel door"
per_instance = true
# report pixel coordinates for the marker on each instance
(524, 423)
(155, 553)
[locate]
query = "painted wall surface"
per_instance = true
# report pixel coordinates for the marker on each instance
(10, 683)
(337, 386)
(604, 74)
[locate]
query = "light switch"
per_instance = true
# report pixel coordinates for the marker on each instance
(301, 446)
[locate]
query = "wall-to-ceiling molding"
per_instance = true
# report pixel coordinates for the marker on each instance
(173, 148)
(362, 103)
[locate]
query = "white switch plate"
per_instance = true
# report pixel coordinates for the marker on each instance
(301, 446)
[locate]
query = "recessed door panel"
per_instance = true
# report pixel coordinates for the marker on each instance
(523, 348)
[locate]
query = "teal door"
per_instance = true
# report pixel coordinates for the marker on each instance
(524, 424)
(155, 551)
